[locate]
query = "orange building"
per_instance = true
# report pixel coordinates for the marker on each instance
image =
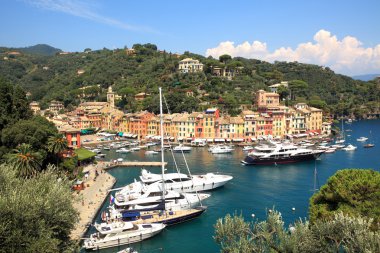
(266, 99)
(72, 136)
(138, 123)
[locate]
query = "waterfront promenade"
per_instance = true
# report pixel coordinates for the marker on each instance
(89, 201)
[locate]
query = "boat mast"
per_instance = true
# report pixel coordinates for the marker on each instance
(315, 177)
(162, 150)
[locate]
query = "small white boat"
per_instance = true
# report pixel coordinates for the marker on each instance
(247, 148)
(330, 150)
(119, 159)
(349, 148)
(340, 141)
(135, 149)
(337, 146)
(221, 149)
(181, 148)
(151, 152)
(123, 151)
(362, 139)
(128, 250)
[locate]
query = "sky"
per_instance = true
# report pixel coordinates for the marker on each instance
(341, 34)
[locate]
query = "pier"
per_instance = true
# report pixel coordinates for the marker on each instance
(135, 164)
(89, 201)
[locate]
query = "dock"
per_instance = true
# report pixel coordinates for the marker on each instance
(135, 164)
(89, 201)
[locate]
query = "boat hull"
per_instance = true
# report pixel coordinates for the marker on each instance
(177, 220)
(133, 238)
(249, 160)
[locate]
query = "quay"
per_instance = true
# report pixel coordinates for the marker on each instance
(89, 200)
(134, 164)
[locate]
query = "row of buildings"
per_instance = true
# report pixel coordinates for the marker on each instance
(270, 120)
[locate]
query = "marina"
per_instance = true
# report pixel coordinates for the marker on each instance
(253, 191)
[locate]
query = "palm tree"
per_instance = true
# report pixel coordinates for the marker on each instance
(57, 144)
(26, 161)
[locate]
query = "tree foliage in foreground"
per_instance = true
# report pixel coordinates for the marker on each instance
(352, 191)
(25, 161)
(36, 215)
(340, 234)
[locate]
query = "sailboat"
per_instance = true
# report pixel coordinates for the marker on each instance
(341, 138)
(369, 145)
(163, 214)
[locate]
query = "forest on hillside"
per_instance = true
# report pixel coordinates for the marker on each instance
(85, 76)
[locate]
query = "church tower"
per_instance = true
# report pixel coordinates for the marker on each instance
(111, 98)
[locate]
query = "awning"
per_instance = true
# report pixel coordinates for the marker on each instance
(228, 139)
(209, 140)
(237, 139)
(180, 138)
(253, 139)
(219, 140)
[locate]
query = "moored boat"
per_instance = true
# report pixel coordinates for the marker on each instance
(131, 233)
(279, 154)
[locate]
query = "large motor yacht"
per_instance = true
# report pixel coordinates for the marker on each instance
(280, 153)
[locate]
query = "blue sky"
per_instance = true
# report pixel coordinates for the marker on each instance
(343, 35)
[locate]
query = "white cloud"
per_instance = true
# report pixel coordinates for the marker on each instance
(82, 9)
(346, 56)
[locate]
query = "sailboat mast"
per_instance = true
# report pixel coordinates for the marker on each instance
(162, 150)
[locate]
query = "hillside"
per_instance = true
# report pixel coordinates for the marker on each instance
(62, 76)
(39, 49)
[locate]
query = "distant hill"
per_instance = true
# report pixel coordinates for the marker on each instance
(40, 49)
(85, 76)
(365, 78)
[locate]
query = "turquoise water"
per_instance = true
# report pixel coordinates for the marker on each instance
(253, 190)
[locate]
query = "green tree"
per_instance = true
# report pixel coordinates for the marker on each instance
(56, 145)
(25, 161)
(297, 88)
(36, 215)
(35, 132)
(225, 58)
(352, 191)
(340, 234)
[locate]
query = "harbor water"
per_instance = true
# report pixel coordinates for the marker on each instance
(254, 189)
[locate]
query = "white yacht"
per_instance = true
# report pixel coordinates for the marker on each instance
(362, 139)
(181, 148)
(174, 181)
(280, 153)
(146, 200)
(349, 148)
(221, 149)
(111, 236)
